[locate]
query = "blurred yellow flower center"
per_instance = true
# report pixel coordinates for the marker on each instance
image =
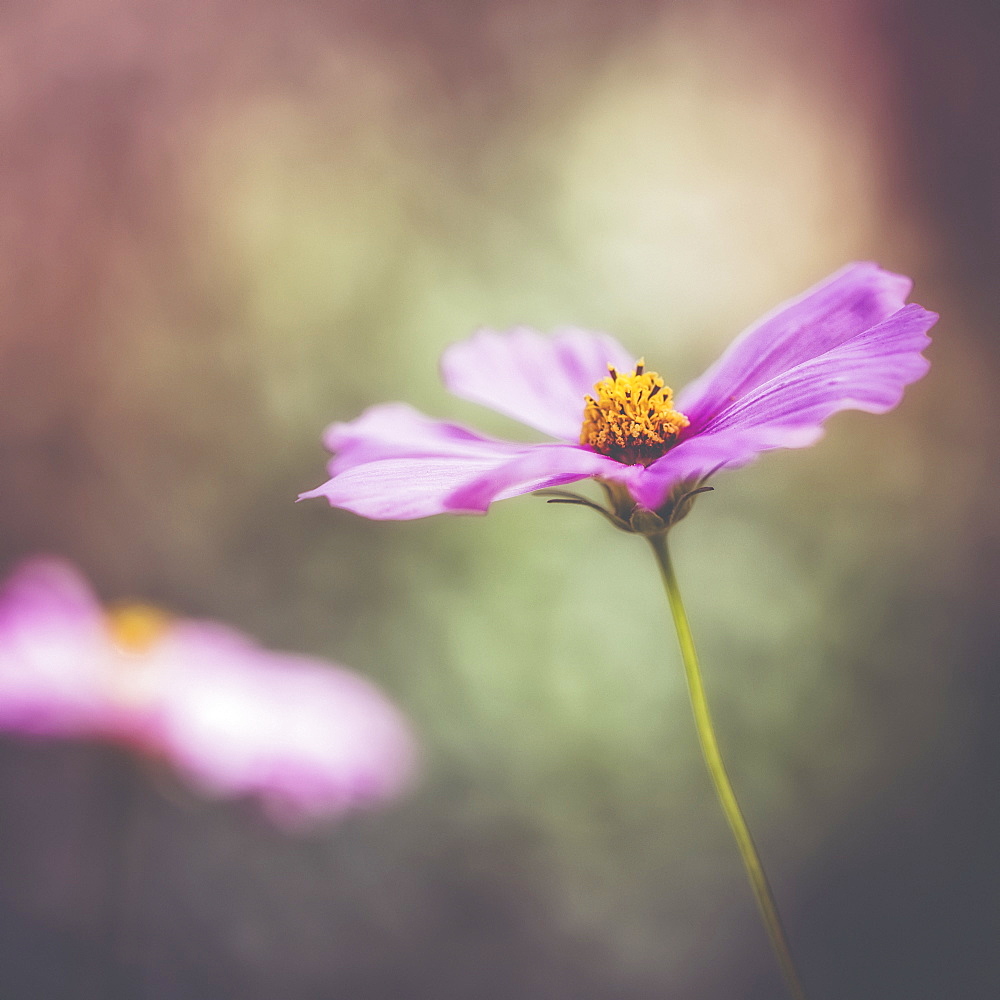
(136, 628)
(631, 419)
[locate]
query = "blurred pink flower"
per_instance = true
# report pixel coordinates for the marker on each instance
(307, 738)
(850, 342)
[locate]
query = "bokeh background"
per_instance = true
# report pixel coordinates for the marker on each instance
(226, 224)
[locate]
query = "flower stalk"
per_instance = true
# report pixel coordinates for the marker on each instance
(717, 769)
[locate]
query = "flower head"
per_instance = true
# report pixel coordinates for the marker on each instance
(632, 419)
(850, 342)
(307, 738)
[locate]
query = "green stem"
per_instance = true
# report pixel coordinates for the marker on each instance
(716, 768)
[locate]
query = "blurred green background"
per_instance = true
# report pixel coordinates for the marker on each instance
(225, 225)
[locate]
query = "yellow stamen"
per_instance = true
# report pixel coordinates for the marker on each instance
(631, 420)
(135, 628)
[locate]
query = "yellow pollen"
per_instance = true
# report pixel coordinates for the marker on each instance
(631, 419)
(135, 628)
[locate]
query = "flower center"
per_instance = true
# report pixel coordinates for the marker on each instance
(631, 419)
(135, 628)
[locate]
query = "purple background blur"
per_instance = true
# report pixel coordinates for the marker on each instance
(227, 224)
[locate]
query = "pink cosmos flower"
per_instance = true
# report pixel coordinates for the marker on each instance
(850, 342)
(306, 738)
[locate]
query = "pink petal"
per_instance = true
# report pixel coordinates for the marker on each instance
(698, 456)
(867, 372)
(838, 309)
(536, 379)
(52, 646)
(52, 589)
(308, 738)
(400, 489)
(541, 466)
(395, 430)
(393, 463)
